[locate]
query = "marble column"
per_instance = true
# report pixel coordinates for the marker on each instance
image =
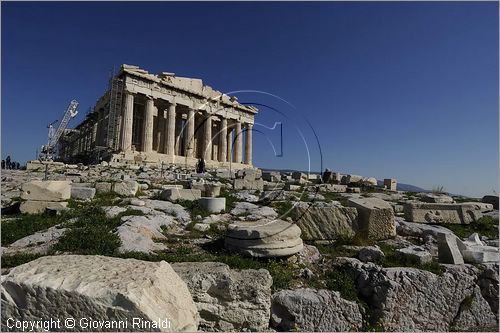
(238, 141)
(128, 118)
(147, 131)
(229, 144)
(170, 146)
(207, 139)
(248, 144)
(223, 140)
(189, 135)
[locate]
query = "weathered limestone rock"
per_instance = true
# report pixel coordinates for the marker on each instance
(413, 229)
(126, 188)
(371, 254)
(326, 222)
(253, 212)
(39, 207)
(46, 190)
(409, 299)
(213, 205)
(113, 211)
(264, 238)
(309, 255)
(488, 282)
(390, 184)
(442, 213)
(138, 233)
(170, 208)
(181, 194)
(82, 193)
(246, 196)
(227, 299)
(310, 310)
(245, 184)
(416, 253)
(376, 217)
(97, 287)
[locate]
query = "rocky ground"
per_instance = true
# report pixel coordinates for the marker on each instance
(245, 251)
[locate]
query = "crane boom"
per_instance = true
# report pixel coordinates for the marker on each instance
(68, 115)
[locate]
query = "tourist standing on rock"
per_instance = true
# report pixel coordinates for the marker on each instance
(3, 164)
(200, 167)
(7, 162)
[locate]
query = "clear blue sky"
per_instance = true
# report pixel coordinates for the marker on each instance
(402, 90)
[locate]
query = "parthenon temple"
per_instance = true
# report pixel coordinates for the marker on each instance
(147, 118)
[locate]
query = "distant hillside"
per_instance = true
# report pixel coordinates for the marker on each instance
(401, 186)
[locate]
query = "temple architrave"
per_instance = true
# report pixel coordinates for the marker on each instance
(147, 118)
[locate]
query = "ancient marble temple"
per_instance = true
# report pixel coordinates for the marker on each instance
(147, 118)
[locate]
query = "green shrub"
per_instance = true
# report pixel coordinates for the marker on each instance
(25, 225)
(485, 226)
(97, 240)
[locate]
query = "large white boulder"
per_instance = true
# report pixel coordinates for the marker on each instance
(46, 190)
(97, 287)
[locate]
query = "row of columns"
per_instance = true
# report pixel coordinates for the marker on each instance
(225, 136)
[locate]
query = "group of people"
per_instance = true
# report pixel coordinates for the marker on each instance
(9, 164)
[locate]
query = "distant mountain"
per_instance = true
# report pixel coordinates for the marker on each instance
(400, 187)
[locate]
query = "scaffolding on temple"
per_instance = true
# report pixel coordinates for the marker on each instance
(115, 109)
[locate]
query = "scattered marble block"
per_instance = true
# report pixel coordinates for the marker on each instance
(336, 188)
(442, 213)
(376, 217)
(126, 188)
(264, 238)
(82, 193)
(449, 247)
(103, 187)
(245, 184)
(390, 184)
(416, 253)
(46, 190)
(181, 194)
(213, 205)
(330, 222)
